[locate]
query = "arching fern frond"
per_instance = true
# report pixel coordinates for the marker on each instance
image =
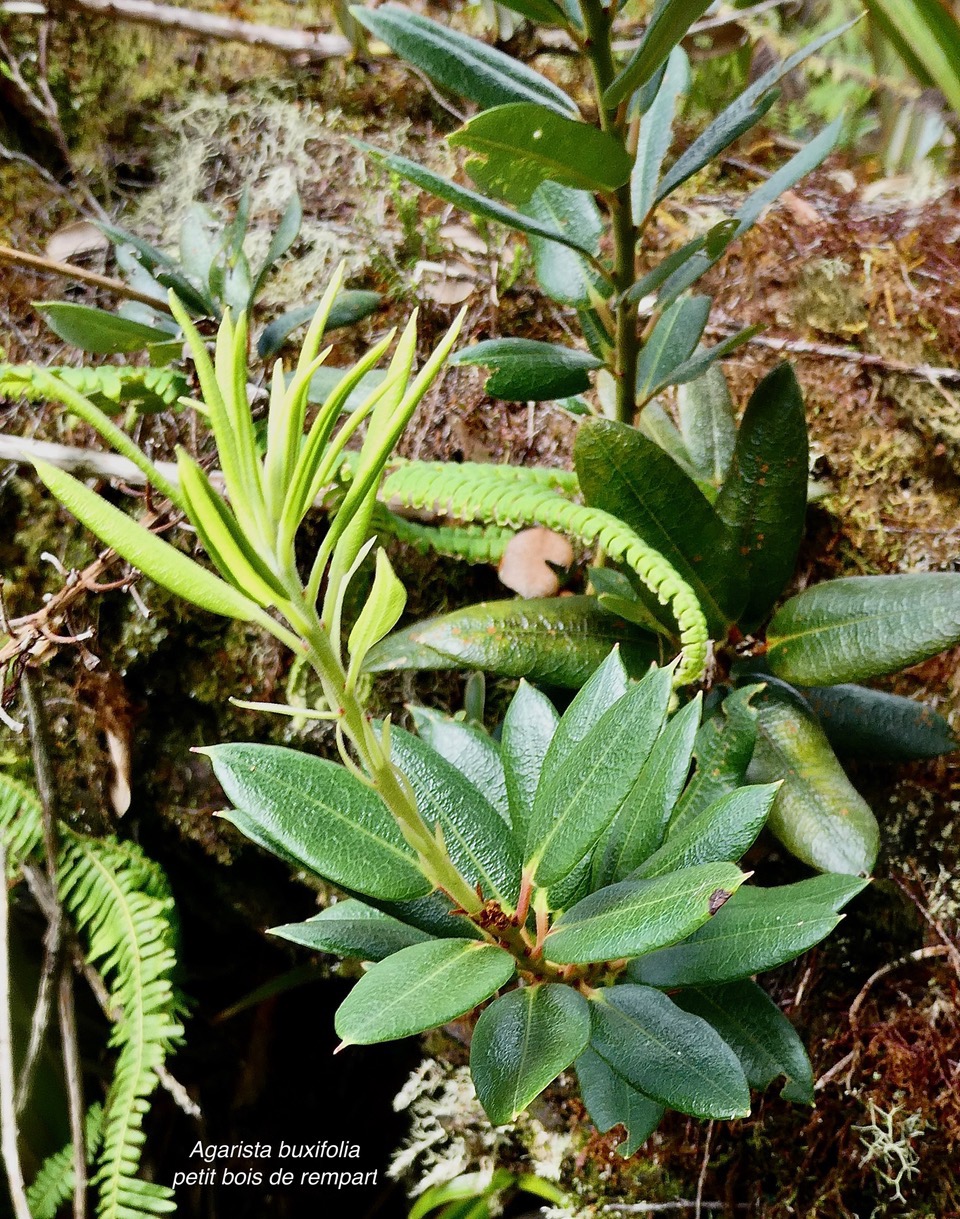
(110, 386)
(120, 901)
(53, 1184)
(473, 543)
(475, 492)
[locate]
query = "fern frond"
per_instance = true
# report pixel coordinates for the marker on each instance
(473, 543)
(20, 823)
(109, 386)
(475, 492)
(120, 900)
(53, 1184)
(562, 481)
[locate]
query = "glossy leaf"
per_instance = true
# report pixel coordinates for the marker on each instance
(708, 425)
(638, 916)
(461, 64)
(528, 370)
(348, 308)
(723, 831)
(757, 929)
(322, 816)
(673, 340)
(642, 820)
(157, 559)
(875, 724)
(670, 21)
(524, 144)
(819, 815)
(528, 728)
(563, 274)
(472, 829)
(670, 1055)
(608, 683)
(577, 800)
(470, 201)
(723, 749)
(522, 1042)
(470, 750)
(557, 641)
(764, 497)
(96, 330)
(350, 928)
(656, 134)
(864, 626)
(611, 1101)
(624, 473)
(433, 914)
(421, 987)
(758, 1032)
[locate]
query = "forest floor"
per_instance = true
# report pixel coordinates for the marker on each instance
(846, 262)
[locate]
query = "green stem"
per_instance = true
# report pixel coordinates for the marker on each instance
(598, 45)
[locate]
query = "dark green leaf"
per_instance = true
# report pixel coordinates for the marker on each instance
(577, 800)
(639, 916)
(704, 358)
(670, 21)
(470, 750)
(528, 728)
(723, 831)
(670, 1055)
(764, 497)
(431, 913)
(874, 724)
(642, 820)
(421, 987)
(284, 235)
(528, 370)
(473, 831)
(757, 929)
(624, 473)
(524, 144)
(708, 425)
(758, 1032)
(459, 63)
(322, 816)
(557, 641)
(348, 308)
(562, 274)
(608, 683)
(543, 11)
(522, 1042)
(656, 134)
(819, 816)
(96, 330)
(611, 1101)
(351, 929)
(673, 340)
(864, 626)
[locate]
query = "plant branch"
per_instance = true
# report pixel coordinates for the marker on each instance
(8, 1116)
(36, 262)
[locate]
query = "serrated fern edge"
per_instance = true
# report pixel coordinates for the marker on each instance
(53, 1184)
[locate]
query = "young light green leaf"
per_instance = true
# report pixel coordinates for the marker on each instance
(708, 426)
(723, 749)
(577, 800)
(563, 274)
(764, 497)
(527, 370)
(350, 928)
(642, 820)
(673, 340)
(421, 987)
(758, 1032)
(557, 641)
(723, 831)
(528, 728)
(96, 330)
(757, 929)
(155, 558)
(524, 144)
(380, 614)
(671, 1056)
(864, 626)
(875, 724)
(656, 134)
(461, 64)
(470, 750)
(522, 1042)
(639, 916)
(611, 1101)
(473, 830)
(818, 815)
(670, 21)
(322, 816)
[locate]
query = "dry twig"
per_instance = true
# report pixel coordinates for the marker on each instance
(35, 262)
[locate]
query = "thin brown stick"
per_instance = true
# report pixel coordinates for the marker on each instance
(36, 262)
(74, 1078)
(8, 1117)
(301, 43)
(921, 954)
(702, 1178)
